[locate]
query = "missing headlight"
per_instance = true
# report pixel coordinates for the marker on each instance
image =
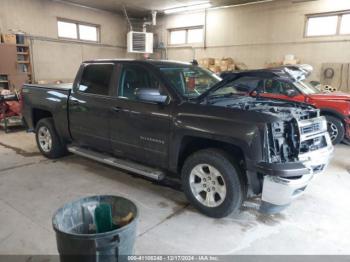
(283, 141)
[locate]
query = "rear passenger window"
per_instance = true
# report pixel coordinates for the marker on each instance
(96, 79)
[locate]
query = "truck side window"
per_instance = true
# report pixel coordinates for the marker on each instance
(134, 77)
(96, 79)
(272, 87)
(278, 87)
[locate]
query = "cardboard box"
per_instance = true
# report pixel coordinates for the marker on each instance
(215, 69)
(203, 64)
(291, 62)
(241, 66)
(227, 61)
(231, 67)
(9, 39)
(208, 61)
(224, 68)
(273, 64)
(227, 68)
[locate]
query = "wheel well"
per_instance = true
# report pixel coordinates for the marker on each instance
(189, 145)
(39, 114)
(336, 115)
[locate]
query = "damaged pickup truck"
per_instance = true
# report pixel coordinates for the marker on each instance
(163, 118)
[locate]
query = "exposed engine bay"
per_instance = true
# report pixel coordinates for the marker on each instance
(285, 110)
(298, 131)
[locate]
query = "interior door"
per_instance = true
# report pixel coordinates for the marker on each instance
(140, 130)
(89, 107)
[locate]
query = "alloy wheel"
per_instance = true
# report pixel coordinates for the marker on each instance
(333, 131)
(208, 185)
(45, 139)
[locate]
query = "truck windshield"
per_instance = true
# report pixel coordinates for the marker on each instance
(190, 81)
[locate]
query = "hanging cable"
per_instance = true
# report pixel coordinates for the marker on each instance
(127, 17)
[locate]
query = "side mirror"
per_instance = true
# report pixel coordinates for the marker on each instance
(291, 93)
(150, 95)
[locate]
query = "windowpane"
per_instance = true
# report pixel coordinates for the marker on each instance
(345, 25)
(67, 30)
(133, 78)
(178, 37)
(320, 26)
(190, 81)
(195, 35)
(96, 79)
(88, 33)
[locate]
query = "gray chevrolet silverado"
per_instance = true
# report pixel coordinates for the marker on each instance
(163, 118)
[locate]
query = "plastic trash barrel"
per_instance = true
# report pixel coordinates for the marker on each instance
(76, 225)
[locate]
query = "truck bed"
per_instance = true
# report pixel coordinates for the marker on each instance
(48, 101)
(66, 86)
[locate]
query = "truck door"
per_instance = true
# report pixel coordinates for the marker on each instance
(140, 130)
(89, 106)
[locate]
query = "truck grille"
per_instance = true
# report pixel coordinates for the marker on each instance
(312, 134)
(313, 144)
(313, 128)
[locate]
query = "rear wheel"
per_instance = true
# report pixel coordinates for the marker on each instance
(336, 129)
(48, 140)
(212, 183)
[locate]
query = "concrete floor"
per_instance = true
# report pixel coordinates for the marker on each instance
(32, 188)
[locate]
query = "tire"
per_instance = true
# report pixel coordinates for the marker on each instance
(346, 141)
(336, 129)
(221, 203)
(48, 140)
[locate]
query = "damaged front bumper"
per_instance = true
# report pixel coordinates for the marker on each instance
(283, 182)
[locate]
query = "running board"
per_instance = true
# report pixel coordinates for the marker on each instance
(119, 163)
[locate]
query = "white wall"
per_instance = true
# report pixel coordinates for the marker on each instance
(56, 59)
(261, 33)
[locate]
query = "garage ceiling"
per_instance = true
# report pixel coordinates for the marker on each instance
(142, 7)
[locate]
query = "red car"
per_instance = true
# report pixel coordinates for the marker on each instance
(288, 83)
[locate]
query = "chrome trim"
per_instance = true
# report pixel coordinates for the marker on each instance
(320, 121)
(318, 157)
(281, 191)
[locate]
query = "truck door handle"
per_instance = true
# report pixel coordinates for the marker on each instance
(116, 109)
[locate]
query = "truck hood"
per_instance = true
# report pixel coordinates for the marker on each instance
(331, 96)
(284, 110)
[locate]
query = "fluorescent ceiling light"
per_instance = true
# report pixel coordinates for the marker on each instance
(187, 8)
(248, 3)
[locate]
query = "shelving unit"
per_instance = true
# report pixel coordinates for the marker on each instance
(4, 82)
(15, 70)
(23, 60)
(16, 64)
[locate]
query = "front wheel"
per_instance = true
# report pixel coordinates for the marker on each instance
(212, 183)
(48, 140)
(336, 129)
